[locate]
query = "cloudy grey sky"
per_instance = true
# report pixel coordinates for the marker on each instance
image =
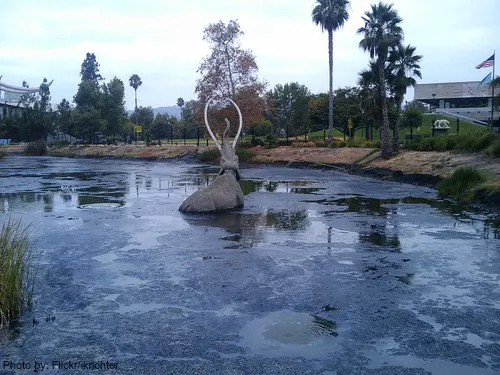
(161, 40)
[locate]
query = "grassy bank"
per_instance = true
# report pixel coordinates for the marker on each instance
(468, 184)
(17, 273)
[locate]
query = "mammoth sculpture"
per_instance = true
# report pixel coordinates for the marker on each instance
(224, 193)
(442, 124)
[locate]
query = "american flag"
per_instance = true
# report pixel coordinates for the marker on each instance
(487, 63)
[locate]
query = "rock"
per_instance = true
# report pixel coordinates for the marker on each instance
(224, 193)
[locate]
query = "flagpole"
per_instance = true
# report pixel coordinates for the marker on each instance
(492, 92)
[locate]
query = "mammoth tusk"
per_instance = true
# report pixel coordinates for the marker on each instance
(210, 130)
(241, 123)
(208, 126)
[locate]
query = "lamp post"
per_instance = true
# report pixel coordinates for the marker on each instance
(434, 100)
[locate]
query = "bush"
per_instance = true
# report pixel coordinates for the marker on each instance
(271, 140)
(37, 148)
(244, 154)
(460, 185)
(494, 149)
(283, 142)
(439, 143)
(61, 143)
(303, 144)
(258, 142)
(245, 145)
(473, 142)
(147, 138)
(209, 156)
(17, 273)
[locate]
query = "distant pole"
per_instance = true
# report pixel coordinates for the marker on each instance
(492, 93)
(198, 134)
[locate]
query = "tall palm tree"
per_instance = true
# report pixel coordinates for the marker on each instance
(180, 104)
(381, 33)
(331, 16)
(370, 93)
(135, 82)
(404, 64)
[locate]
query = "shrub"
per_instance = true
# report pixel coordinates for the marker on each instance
(460, 185)
(319, 142)
(475, 141)
(494, 149)
(37, 148)
(147, 138)
(270, 140)
(303, 144)
(258, 142)
(244, 154)
(17, 273)
(245, 145)
(283, 142)
(209, 156)
(61, 143)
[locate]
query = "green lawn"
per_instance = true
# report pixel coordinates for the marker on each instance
(425, 128)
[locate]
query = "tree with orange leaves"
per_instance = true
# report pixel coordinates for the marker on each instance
(230, 72)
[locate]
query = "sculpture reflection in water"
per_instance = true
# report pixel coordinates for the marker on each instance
(224, 193)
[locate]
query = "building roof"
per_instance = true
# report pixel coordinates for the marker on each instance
(452, 90)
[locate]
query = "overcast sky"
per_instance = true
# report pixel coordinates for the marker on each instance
(161, 40)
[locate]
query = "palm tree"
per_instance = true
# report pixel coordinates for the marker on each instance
(180, 104)
(135, 82)
(404, 64)
(370, 93)
(381, 33)
(331, 16)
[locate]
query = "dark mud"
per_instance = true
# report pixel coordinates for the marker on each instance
(322, 272)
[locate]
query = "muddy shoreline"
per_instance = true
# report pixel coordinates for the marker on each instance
(416, 168)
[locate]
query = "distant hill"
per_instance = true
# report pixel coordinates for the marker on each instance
(172, 110)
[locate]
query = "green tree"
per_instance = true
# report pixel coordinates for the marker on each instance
(318, 111)
(412, 118)
(63, 117)
(370, 98)
(86, 122)
(112, 106)
(135, 82)
(381, 34)
(404, 65)
(331, 16)
(289, 105)
(90, 69)
(143, 116)
(160, 126)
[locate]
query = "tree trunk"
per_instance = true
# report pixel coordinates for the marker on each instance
(330, 90)
(395, 137)
(384, 128)
(233, 91)
(135, 90)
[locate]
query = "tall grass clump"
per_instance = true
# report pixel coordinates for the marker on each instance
(17, 272)
(209, 156)
(494, 149)
(460, 185)
(244, 154)
(37, 148)
(474, 141)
